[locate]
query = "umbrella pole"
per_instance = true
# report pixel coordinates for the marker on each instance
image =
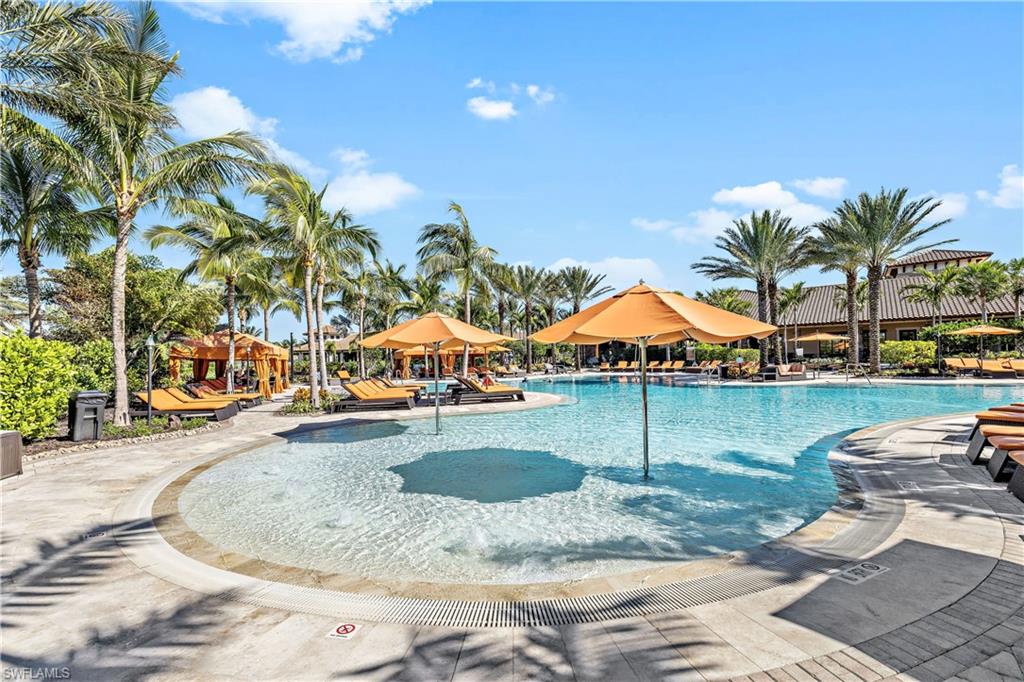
(437, 395)
(643, 393)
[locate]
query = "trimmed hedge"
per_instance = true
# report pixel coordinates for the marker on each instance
(708, 351)
(36, 378)
(968, 345)
(908, 353)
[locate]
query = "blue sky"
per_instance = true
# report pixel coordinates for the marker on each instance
(624, 136)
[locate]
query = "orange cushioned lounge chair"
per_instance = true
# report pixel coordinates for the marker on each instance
(164, 403)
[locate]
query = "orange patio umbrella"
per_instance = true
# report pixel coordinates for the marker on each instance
(981, 331)
(433, 329)
(646, 315)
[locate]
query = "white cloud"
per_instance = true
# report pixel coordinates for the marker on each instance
(954, 204)
(313, 30)
(481, 84)
(770, 196)
(620, 273)
(1011, 189)
(212, 111)
(705, 225)
(361, 191)
(491, 109)
(828, 188)
(659, 225)
(540, 95)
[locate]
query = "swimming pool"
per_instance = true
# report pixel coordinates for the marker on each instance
(552, 494)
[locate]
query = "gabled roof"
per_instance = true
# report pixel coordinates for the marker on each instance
(938, 255)
(820, 306)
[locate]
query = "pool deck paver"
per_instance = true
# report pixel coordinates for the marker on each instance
(950, 607)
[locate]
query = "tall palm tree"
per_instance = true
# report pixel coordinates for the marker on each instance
(39, 215)
(263, 287)
(934, 287)
(130, 160)
(452, 249)
(835, 248)
(790, 300)
(425, 295)
(299, 228)
(581, 285)
(527, 284)
(725, 298)
(887, 227)
(1015, 270)
(499, 277)
(551, 295)
(222, 242)
(983, 282)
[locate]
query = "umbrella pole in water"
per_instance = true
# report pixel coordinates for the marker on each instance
(437, 395)
(643, 394)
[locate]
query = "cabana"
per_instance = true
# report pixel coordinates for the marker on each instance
(269, 361)
(447, 354)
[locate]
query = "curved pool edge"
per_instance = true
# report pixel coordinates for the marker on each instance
(838, 537)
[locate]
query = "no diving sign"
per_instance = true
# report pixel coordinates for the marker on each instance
(344, 631)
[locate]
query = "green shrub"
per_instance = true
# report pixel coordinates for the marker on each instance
(968, 345)
(709, 351)
(908, 353)
(94, 366)
(36, 378)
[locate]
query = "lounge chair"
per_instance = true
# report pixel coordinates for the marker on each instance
(383, 385)
(604, 367)
(365, 395)
(794, 372)
(344, 375)
(996, 416)
(633, 366)
(218, 401)
(696, 369)
(1017, 365)
(391, 384)
(980, 438)
(955, 365)
(167, 405)
(247, 399)
(711, 369)
(471, 389)
(621, 366)
(995, 370)
(1000, 464)
(749, 370)
(653, 365)
(1016, 484)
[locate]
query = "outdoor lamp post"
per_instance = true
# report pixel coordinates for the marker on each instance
(149, 379)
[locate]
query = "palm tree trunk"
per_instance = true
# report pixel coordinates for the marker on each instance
(30, 266)
(984, 310)
(230, 282)
(773, 319)
(529, 343)
(465, 346)
(362, 318)
(324, 381)
(266, 323)
(314, 384)
(117, 294)
(762, 315)
(852, 321)
(874, 318)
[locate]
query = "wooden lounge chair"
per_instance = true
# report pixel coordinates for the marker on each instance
(1016, 484)
(185, 398)
(1017, 365)
(621, 366)
(344, 375)
(1000, 465)
(997, 416)
(696, 369)
(995, 370)
(653, 365)
(391, 384)
(633, 366)
(711, 369)
(604, 367)
(166, 405)
(247, 399)
(981, 437)
(473, 390)
(363, 395)
(749, 369)
(957, 366)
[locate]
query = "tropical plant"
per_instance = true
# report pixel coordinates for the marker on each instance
(452, 250)
(918, 354)
(36, 377)
(13, 308)
(581, 285)
(835, 248)
(933, 288)
(425, 295)
(527, 284)
(129, 159)
(499, 279)
(983, 282)
(725, 298)
(886, 226)
(1015, 286)
(39, 215)
(222, 241)
(790, 300)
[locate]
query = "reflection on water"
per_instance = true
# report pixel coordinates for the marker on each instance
(490, 474)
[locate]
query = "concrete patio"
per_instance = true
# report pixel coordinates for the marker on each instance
(947, 601)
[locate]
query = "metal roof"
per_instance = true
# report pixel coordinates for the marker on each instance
(938, 255)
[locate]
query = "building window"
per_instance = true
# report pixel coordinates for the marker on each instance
(908, 335)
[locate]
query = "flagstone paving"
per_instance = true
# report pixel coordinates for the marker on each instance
(949, 606)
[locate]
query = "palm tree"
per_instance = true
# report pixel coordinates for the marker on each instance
(527, 284)
(550, 298)
(835, 248)
(887, 227)
(425, 295)
(263, 288)
(934, 287)
(130, 160)
(725, 298)
(299, 228)
(39, 215)
(451, 249)
(983, 282)
(222, 242)
(1015, 270)
(499, 277)
(581, 285)
(789, 302)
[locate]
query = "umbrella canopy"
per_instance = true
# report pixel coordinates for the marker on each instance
(433, 329)
(822, 336)
(984, 330)
(660, 316)
(647, 315)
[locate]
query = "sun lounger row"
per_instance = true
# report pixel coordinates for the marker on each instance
(471, 390)
(653, 366)
(177, 403)
(376, 393)
(1005, 368)
(1001, 429)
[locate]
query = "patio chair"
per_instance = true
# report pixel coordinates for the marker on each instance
(979, 440)
(998, 416)
(165, 405)
(364, 395)
(1000, 465)
(995, 370)
(473, 390)
(1016, 484)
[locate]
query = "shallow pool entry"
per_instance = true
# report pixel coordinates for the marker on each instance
(551, 494)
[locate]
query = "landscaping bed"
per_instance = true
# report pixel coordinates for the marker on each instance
(162, 428)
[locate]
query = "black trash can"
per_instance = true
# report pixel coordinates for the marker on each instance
(85, 415)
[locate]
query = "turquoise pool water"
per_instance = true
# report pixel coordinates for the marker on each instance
(556, 493)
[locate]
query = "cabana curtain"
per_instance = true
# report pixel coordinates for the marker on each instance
(266, 358)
